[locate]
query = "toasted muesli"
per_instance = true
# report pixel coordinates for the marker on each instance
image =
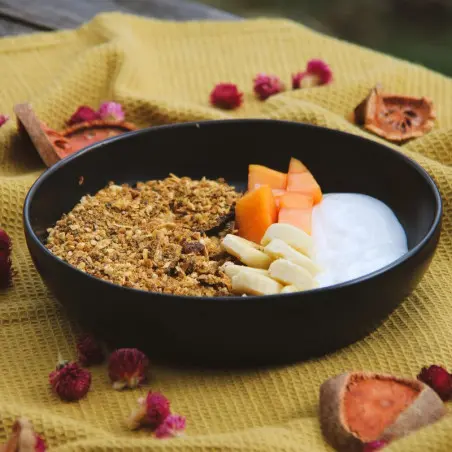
(153, 236)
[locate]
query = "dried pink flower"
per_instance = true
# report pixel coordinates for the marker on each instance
(157, 408)
(374, 445)
(3, 119)
(5, 243)
(89, 351)
(226, 95)
(267, 85)
(23, 438)
(111, 111)
(439, 379)
(40, 445)
(70, 382)
(173, 425)
(83, 114)
(151, 411)
(317, 73)
(6, 271)
(127, 368)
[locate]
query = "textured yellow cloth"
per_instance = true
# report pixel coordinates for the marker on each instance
(163, 72)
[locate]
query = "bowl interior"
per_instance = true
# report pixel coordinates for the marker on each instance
(340, 163)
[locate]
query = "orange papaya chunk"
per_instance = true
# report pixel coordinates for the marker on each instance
(295, 166)
(255, 212)
(278, 193)
(295, 200)
(300, 218)
(306, 184)
(259, 175)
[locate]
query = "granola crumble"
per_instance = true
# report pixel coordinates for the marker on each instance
(151, 236)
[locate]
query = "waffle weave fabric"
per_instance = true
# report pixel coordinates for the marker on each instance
(162, 72)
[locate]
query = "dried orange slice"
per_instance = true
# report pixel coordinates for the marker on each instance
(393, 117)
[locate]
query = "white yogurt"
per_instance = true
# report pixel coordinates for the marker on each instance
(354, 235)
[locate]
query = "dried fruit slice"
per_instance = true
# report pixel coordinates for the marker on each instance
(53, 146)
(87, 133)
(360, 407)
(393, 117)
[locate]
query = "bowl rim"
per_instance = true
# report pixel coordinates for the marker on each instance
(234, 298)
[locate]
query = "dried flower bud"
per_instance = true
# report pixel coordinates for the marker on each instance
(152, 410)
(267, 85)
(3, 119)
(127, 368)
(70, 382)
(173, 425)
(83, 114)
(111, 111)
(227, 96)
(439, 379)
(5, 243)
(317, 73)
(6, 271)
(374, 445)
(157, 408)
(40, 445)
(138, 416)
(89, 351)
(23, 439)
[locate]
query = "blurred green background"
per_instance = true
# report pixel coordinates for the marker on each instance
(416, 30)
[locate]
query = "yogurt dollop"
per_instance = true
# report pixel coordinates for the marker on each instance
(354, 235)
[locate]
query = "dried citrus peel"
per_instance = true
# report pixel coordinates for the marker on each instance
(394, 117)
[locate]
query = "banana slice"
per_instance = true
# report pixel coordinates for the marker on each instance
(289, 273)
(289, 289)
(232, 270)
(246, 251)
(278, 248)
(254, 284)
(293, 236)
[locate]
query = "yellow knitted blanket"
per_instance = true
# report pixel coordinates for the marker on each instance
(162, 72)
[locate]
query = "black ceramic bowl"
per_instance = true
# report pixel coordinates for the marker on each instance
(239, 330)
